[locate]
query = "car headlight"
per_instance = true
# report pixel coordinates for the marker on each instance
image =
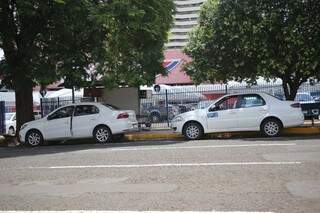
(23, 126)
(177, 119)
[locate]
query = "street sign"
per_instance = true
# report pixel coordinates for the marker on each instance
(43, 92)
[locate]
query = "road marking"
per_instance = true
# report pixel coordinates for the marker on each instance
(168, 165)
(200, 147)
(86, 211)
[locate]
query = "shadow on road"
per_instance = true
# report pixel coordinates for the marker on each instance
(74, 145)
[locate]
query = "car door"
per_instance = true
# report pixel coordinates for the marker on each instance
(223, 115)
(252, 109)
(84, 120)
(58, 124)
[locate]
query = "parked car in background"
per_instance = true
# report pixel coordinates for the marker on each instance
(83, 120)
(315, 95)
(304, 97)
(10, 123)
(240, 112)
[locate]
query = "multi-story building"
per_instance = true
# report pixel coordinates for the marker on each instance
(187, 14)
(186, 17)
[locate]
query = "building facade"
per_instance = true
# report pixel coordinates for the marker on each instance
(186, 17)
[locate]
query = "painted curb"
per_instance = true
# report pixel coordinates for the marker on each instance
(176, 136)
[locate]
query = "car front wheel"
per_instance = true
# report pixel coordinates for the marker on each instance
(34, 138)
(193, 131)
(102, 134)
(271, 128)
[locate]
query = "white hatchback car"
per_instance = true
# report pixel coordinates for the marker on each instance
(84, 120)
(240, 112)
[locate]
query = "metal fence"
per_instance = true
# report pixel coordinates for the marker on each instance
(48, 105)
(161, 107)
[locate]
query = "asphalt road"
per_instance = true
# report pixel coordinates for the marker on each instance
(254, 175)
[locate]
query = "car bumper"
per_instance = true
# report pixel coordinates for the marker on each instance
(177, 126)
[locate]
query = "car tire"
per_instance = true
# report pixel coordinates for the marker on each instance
(155, 118)
(102, 134)
(11, 131)
(193, 131)
(34, 138)
(271, 127)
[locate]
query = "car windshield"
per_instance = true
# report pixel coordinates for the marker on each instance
(204, 104)
(112, 107)
(9, 116)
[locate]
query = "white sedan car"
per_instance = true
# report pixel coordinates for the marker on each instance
(10, 123)
(240, 112)
(83, 120)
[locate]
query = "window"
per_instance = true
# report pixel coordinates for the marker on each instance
(61, 113)
(86, 110)
(251, 101)
(226, 103)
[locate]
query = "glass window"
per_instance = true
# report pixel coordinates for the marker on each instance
(86, 110)
(226, 103)
(61, 113)
(251, 101)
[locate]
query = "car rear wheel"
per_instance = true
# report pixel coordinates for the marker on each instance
(271, 128)
(193, 131)
(102, 134)
(34, 138)
(11, 131)
(155, 118)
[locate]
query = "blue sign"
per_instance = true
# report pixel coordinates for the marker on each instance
(212, 115)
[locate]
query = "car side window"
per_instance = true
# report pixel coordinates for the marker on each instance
(251, 101)
(226, 103)
(62, 113)
(82, 110)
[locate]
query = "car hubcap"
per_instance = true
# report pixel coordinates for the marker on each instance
(192, 132)
(34, 139)
(271, 128)
(102, 135)
(11, 131)
(155, 119)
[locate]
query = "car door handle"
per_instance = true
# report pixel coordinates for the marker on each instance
(232, 113)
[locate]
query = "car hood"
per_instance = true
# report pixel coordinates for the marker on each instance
(36, 121)
(191, 113)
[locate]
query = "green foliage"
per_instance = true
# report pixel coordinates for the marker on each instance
(241, 40)
(59, 39)
(49, 40)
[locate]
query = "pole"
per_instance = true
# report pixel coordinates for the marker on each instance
(73, 94)
(226, 88)
(167, 107)
(41, 107)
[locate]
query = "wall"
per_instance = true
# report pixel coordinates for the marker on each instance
(124, 98)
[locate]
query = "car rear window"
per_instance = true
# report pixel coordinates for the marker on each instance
(110, 106)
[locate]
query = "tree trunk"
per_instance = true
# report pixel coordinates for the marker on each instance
(290, 89)
(23, 92)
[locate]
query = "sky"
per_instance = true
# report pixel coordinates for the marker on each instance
(1, 53)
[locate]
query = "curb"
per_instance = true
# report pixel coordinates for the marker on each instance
(296, 131)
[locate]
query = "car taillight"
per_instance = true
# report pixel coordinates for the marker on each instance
(295, 105)
(123, 115)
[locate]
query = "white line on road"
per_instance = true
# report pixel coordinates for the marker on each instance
(201, 147)
(168, 165)
(86, 211)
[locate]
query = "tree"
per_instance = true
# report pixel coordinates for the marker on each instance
(241, 40)
(48, 40)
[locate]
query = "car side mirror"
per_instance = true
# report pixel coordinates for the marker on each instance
(213, 108)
